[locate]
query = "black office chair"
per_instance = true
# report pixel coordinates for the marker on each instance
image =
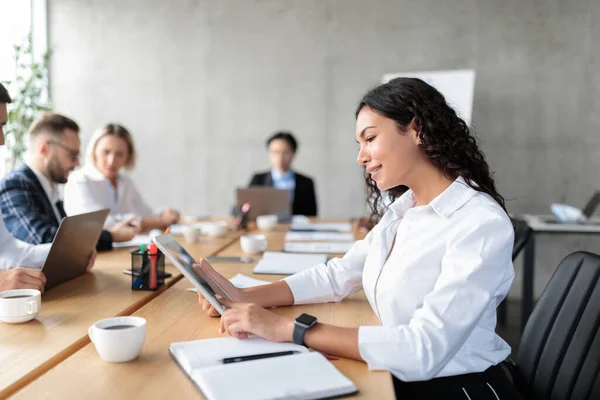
(559, 354)
(522, 235)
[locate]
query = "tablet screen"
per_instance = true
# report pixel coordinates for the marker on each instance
(176, 251)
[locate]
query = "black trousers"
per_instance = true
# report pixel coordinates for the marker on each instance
(492, 384)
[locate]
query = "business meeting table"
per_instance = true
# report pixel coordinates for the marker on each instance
(52, 357)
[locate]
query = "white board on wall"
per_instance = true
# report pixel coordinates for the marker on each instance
(457, 86)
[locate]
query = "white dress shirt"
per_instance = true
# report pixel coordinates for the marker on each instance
(88, 190)
(437, 293)
(15, 253)
(50, 189)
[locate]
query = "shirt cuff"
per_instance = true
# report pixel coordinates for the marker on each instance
(370, 338)
(310, 286)
(39, 255)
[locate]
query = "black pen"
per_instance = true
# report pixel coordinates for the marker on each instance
(231, 360)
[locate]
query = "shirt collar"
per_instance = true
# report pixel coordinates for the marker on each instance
(276, 175)
(445, 204)
(93, 174)
(50, 188)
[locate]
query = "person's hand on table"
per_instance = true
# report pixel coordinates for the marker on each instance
(125, 230)
(22, 278)
(169, 217)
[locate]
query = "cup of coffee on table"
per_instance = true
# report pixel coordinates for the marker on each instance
(20, 305)
(118, 339)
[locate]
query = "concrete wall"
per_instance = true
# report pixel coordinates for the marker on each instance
(201, 83)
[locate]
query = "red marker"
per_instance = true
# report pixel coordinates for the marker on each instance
(153, 252)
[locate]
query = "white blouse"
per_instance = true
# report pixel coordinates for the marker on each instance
(437, 293)
(88, 190)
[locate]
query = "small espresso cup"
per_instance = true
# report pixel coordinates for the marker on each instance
(118, 339)
(20, 305)
(266, 222)
(191, 234)
(252, 244)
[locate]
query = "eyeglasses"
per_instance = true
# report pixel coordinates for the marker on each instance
(73, 153)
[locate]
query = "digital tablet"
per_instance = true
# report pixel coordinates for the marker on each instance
(190, 268)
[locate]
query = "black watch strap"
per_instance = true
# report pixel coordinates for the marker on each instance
(303, 323)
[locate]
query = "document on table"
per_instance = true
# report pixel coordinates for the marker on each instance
(318, 247)
(319, 236)
(287, 263)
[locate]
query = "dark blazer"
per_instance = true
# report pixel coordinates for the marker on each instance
(305, 200)
(27, 212)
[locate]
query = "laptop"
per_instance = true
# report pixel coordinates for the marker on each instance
(265, 200)
(73, 243)
(588, 211)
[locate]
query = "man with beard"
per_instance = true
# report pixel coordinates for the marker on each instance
(29, 197)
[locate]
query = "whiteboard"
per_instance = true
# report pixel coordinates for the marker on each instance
(457, 86)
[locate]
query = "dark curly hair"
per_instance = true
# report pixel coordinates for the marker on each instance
(445, 138)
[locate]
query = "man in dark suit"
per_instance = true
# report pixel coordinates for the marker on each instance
(282, 148)
(29, 198)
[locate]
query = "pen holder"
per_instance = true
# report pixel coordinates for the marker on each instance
(147, 270)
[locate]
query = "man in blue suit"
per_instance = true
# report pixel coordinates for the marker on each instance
(29, 198)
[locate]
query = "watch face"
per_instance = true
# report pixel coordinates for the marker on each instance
(306, 319)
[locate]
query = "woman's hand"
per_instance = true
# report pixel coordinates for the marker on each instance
(216, 280)
(242, 319)
(169, 217)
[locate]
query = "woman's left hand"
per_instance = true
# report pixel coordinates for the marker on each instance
(242, 319)
(169, 217)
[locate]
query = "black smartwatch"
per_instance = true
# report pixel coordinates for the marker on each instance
(301, 325)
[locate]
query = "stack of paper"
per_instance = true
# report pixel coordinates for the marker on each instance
(287, 263)
(318, 247)
(328, 236)
(137, 241)
(322, 226)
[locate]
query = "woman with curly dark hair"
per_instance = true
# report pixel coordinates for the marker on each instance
(434, 268)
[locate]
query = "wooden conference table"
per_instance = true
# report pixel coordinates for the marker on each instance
(173, 315)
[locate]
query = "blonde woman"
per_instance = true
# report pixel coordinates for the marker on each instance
(100, 183)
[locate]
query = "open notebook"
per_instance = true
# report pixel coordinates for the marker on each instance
(303, 375)
(287, 263)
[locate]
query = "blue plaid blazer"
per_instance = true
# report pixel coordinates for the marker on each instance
(27, 212)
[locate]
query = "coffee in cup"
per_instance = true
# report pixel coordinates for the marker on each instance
(20, 305)
(118, 339)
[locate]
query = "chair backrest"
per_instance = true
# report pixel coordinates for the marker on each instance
(559, 354)
(522, 235)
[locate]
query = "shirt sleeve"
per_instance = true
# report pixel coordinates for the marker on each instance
(476, 270)
(334, 281)
(15, 253)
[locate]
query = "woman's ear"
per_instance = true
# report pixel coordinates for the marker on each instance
(415, 131)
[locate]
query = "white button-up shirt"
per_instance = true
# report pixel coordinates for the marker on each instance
(437, 293)
(49, 188)
(88, 190)
(15, 253)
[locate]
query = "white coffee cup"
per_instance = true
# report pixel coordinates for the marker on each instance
(214, 229)
(20, 305)
(191, 234)
(252, 244)
(118, 339)
(266, 222)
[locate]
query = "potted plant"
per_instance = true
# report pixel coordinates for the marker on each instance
(29, 91)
